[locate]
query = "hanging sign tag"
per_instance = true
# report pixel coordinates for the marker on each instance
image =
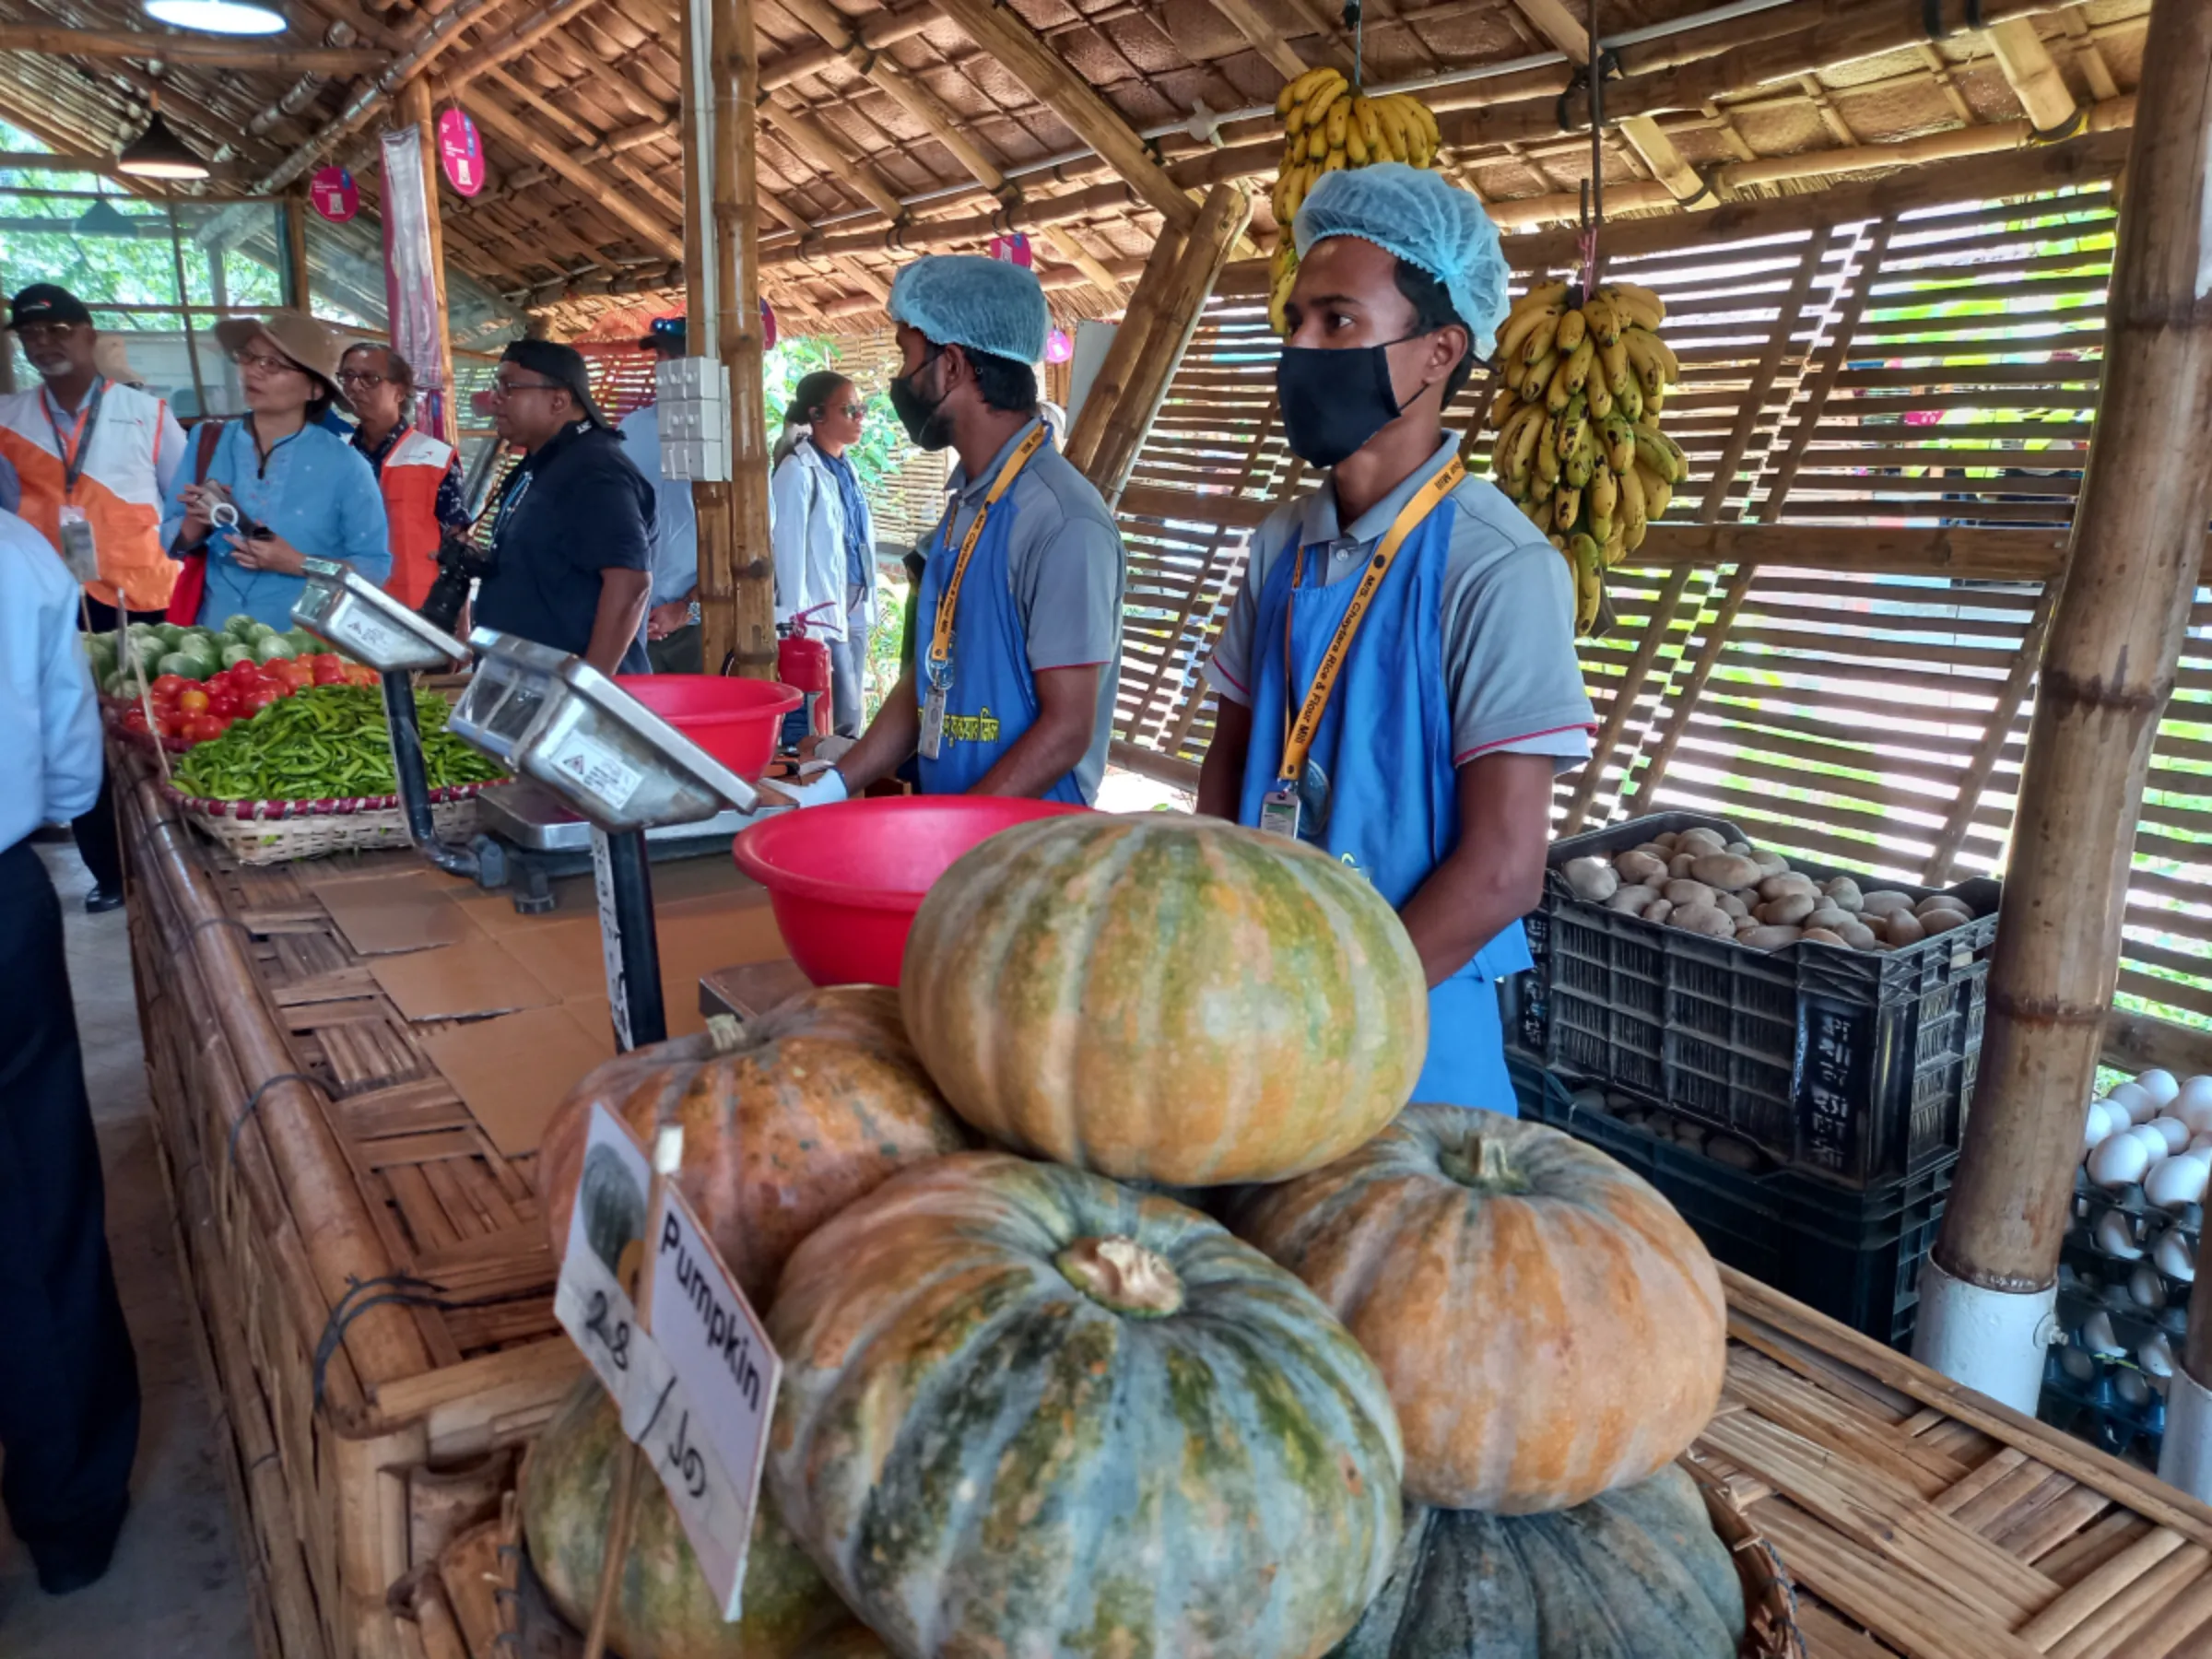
(334, 194)
(460, 150)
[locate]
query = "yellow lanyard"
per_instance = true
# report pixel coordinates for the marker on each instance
(1298, 736)
(940, 639)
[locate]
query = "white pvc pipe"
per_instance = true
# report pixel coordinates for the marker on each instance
(1990, 1340)
(2185, 1454)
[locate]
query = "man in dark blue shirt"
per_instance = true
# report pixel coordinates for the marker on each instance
(571, 539)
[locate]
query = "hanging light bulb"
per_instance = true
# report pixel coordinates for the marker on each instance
(218, 17)
(159, 153)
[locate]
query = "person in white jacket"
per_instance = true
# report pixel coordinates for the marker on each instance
(824, 539)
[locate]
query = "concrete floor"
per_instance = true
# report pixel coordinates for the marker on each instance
(177, 1590)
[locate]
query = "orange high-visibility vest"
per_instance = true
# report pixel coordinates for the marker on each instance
(411, 474)
(118, 488)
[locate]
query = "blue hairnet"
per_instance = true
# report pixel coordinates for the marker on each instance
(1427, 222)
(967, 300)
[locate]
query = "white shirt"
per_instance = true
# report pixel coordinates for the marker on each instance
(50, 748)
(809, 539)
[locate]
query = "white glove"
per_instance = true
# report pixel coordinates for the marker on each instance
(825, 791)
(833, 748)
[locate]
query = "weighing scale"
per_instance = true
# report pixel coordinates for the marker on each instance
(527, 836)
(556, 720)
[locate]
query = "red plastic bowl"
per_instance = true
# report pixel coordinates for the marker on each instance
(733, 720)
(844, 881)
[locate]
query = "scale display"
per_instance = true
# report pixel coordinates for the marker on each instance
(555, 718)
(342, 609)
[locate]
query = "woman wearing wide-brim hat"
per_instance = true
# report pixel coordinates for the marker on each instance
(301, 490)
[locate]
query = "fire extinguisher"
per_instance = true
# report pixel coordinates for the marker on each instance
(804, 660)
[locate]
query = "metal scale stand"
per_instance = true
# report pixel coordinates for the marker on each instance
(527, 835)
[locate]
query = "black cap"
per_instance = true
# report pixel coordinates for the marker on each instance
(667, 332)
(46, 302)
(563, 364)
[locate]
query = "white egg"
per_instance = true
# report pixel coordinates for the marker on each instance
(2146, 1289)
(2196, 1092)
(2131, 1387)
(2178, 1180)
(2156, 1355)
(2134, 1099)
(2121, 1160)
(2172, 1130)
(2200, 1141)
(2197, 1114)
(2115, 1236)
(2153, 1139)
(2158, 1084)
(2174, 1257)
(2096, 1126)
(2097, 1335)
(2077, 1363)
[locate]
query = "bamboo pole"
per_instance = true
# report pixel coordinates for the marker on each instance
(746, 627)
(299, 286)
(200, 50)
(1175, 318)
(414, 109)
(2033, 76)
(2115, 637)
(1121, 356)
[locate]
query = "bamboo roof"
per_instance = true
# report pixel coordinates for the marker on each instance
(864, 112)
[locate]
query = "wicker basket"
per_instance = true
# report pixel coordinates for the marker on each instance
(266, 832)
(1770, 1604)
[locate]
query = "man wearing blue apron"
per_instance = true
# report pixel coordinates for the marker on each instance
(1017, 629)
(1397, 679)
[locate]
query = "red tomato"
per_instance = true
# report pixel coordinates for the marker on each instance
(223, 700)
(261, 697)
(191, 701)
(168, 685)
(201, 728)
(360, 673)
(329, 674)
(172, 725)
(134, 720)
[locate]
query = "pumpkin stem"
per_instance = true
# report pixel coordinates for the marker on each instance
(1120, 1274)
(1480, 1163)
(725, 1032)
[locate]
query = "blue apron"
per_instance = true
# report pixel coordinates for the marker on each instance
(993, 697)
(1380, 791)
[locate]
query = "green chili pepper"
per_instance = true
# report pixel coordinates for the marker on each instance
(325, 741)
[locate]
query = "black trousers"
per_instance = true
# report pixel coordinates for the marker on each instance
(68, 1380)
(95, 831)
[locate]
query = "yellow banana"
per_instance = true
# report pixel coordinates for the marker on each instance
(1542, 340)
(1303, 87)
(1571, 327)
(1317, 139)
(1654, 402)
(1519, 324)
(1544, 468)
(1522, 457)
(1578, 361)
(1543, 294)
(1338, 124)
(1393, 129)
(1601, 529)
(1537, 376)
(1638, 305)
(1628, 400)
(1504, 402)
(1324, 99)
(1557, 395)
(1589, 581)
(1579, 465)
(1566, 507)
(1574, 423)
(1605, 322)
(1537, 509)
(1612, 363)
(1652, 452)
(1604, 493)
(1355, 144)
(1371, 126)
(1629, 506)
(1613, 547)
(1600, 394)
(1658, 491)
(1645, 360)
(1334, 163)
(1619, 440)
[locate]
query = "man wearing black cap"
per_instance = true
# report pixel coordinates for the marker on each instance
(571, 538)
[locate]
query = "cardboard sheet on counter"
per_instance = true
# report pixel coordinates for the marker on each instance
(512, 1071)
(460, 981)
(398, 912)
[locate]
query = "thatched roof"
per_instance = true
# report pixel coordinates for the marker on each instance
(870, 112)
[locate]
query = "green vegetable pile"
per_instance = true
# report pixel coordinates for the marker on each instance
(327, 742)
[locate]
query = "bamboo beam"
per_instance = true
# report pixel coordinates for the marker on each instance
(208, 50)
(1556, 24)
(1180, 302)
(1642, 133)
(1002, 34)
(1665, 605)
(1944, 858)
(1870, 265)
(1119, 366)
(814, 141)
(884, 29)
(1645, 784)
(2033, 76)
(746, 628)
(513, 129)
(1264, 37)
(513, 43)
(2107, 670)
(298, 285)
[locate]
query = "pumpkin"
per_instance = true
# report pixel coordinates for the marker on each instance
(1165, 998)
(1635, 1575)
(1550, 1328)
(787, 1118)
(663, 1608)
(1029, 1412)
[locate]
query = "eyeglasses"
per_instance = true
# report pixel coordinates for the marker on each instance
(261, 362)
(508, 388)
(360, 377)
(849, 411)
(40, 333)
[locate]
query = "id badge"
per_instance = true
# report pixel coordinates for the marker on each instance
(933, 724)
(1279, 813)
(77, 552)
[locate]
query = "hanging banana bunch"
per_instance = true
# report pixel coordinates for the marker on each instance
(1582, 379)
(1326, 128)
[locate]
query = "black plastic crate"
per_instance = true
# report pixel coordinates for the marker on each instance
(1858, 1065)
(1853, 1254)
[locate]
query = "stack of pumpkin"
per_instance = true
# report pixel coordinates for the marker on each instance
(1425, 1398)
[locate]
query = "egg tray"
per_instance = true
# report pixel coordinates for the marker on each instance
(2094, 1412)
(2079, 1250)
(2132, 1326)
(2090, 1201)
(1854, 1066)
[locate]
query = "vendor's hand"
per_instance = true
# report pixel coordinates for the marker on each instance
(199, 500)
(270, 552)
(664, 619)
(825, 746)
(825, 790)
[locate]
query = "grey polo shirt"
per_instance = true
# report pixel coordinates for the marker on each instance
(1064, 571)
(1510, 668)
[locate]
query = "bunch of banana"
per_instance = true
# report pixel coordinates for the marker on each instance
(1326, 128)
(1578, 446)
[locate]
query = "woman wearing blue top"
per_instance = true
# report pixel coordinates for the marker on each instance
(825, 542)
(308, 491)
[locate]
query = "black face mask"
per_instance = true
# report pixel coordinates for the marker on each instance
(1333, 402)
(926, 423)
